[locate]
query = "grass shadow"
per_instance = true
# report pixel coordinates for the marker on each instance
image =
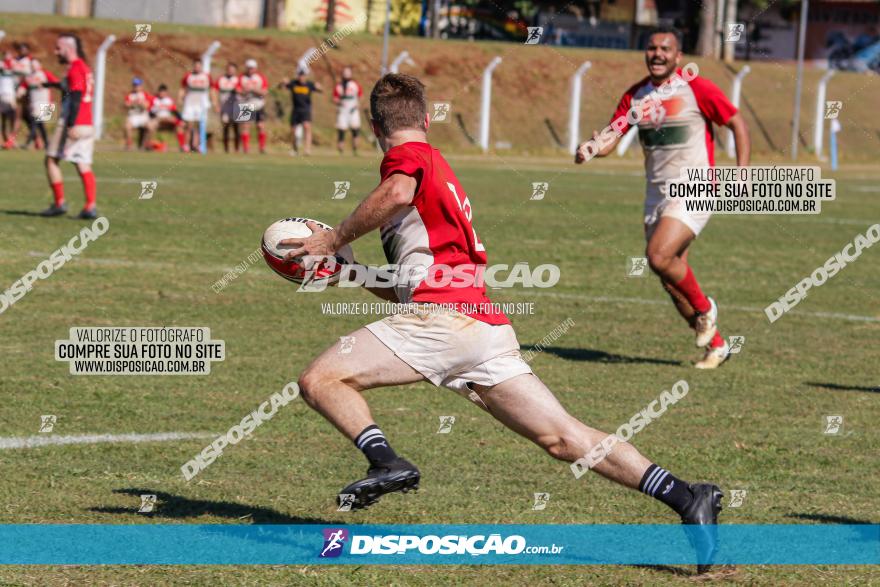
(169, 505)
(838, 387)
(596, 356)
(828, 519)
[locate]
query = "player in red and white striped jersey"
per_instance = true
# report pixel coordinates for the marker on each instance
(252, 88)
(676, 132)
(74, 136)
(453, 337)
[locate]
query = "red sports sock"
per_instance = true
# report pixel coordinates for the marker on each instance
(88, 179)
(246, 142)
(691, 290)
(58, 192)
(262, 138)
(181, 138)
(717, 340)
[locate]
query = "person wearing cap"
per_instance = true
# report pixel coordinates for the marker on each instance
(137, 103)
(252, 88)
(301, 90)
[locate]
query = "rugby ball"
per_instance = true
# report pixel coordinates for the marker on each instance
(325, 273)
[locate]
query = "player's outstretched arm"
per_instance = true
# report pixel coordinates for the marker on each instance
(393, 195)
(741, 138)
(605, 145)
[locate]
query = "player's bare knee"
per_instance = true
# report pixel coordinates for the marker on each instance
(311, 383)
(658, 260)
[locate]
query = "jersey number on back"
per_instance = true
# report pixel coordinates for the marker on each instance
(465, 207)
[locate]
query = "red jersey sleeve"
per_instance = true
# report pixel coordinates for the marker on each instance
(264, 81)
(50, 77)
(360, 91)
(336, 91)
(402, 160)
(76, 77)
(185, 81)
(712, 102)
(625, 104)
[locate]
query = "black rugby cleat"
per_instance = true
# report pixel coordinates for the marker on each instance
(702, 517)
(398, 475)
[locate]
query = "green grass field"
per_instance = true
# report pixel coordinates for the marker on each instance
(755, 424)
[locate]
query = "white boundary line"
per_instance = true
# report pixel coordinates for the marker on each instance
(10, 442)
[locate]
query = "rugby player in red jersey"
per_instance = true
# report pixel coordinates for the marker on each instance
(675, 134)
(454, 337)
(74, 136)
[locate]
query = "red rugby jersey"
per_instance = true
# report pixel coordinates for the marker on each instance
(435, 232)
(79, 79)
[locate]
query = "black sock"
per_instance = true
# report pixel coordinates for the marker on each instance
(663, 485)
(375, 446)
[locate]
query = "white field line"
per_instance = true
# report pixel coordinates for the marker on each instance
(9, 442)
(722, 307)
(115, 262)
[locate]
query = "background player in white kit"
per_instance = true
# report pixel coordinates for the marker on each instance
(193, 96)
(347, 97)
(164, 115)
(8, 102)
(41, 109)
(252, 88)
(455, 338)
(675, 135)
(137, 103)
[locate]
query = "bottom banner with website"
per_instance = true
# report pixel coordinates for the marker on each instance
(166, 544)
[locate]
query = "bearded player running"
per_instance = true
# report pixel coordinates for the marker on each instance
(678, 134)
(455, 337)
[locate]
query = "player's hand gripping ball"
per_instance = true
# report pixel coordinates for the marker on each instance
(325, 271)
